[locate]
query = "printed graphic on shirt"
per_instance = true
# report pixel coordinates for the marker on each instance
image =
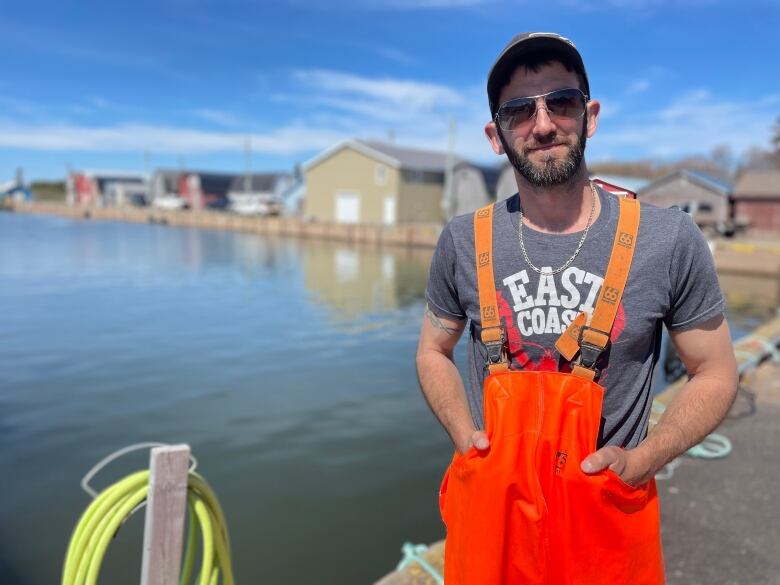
(536, 313)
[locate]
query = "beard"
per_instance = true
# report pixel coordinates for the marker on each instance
(551, 171)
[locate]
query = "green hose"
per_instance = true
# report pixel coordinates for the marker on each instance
(100, 521)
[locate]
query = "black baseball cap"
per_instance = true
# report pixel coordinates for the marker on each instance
(512, 54)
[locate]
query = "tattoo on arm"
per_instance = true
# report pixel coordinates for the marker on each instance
(436, 322)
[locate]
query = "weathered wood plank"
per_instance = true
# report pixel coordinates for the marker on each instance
(166, 506)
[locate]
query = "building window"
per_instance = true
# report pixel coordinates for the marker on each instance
(420, 176)
(380, 174)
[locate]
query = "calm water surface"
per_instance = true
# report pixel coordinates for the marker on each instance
(287, 365)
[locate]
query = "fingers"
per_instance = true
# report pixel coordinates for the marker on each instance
(479, 440)
(612, 457)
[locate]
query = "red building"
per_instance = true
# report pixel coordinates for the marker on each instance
(93, 187)
(757, 200)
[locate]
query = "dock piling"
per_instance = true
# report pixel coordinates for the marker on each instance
(166, 507)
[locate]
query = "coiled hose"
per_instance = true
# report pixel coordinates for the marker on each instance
(115, 504)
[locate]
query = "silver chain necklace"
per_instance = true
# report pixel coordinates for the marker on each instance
(579, 246)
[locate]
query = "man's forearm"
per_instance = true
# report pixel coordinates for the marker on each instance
(696, 411)
(443, 389)
(699, 407)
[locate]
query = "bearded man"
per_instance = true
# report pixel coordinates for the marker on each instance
(565, 288)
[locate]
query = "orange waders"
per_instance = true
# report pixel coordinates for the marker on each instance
(523, 512)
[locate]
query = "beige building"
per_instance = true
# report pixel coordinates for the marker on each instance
(380, 183)
(704, 197)
(358, 281)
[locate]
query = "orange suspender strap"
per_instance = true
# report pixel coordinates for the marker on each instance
(591, 339)
(493, 336)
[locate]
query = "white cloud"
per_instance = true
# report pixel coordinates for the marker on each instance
(695, 123)
(639, 86)
(402, 4)
(438, 3)
(634, 8)
(287, 140)
(687, 104)
(393, 54)
(298, 139)
(396, 92)
(64, 44)
(329, 106)
(609, 108)
(99, 102)
(418, 113)
(219, 117)
(18, 106)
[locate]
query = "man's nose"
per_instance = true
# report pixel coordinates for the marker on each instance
(543, 125)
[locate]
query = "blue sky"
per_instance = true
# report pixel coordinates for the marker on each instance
(98, 84)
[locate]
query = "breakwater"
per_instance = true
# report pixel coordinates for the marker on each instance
(415, 235)
(735, 258)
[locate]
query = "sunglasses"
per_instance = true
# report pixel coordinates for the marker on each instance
(567, 104)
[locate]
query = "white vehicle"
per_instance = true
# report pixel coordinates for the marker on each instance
(254, 203)
(168, 202)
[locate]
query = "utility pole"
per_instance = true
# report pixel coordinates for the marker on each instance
(248, 165)
(448, 203)
(70, 188)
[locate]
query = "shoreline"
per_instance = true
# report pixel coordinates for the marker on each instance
(732, 257)
(410, 235)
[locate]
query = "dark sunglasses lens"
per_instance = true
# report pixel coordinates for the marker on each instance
(566, 103)
(516, 112)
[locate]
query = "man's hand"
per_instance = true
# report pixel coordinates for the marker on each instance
(697, 408)
(629, 465)
(478, 440)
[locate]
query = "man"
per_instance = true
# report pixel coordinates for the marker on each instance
(552, 477)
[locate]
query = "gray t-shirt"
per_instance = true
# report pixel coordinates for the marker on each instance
(672, 280)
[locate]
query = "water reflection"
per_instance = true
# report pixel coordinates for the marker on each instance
(357, 281)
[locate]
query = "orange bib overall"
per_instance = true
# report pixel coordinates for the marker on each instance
(523, 512)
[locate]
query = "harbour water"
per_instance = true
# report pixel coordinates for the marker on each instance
(287, 365)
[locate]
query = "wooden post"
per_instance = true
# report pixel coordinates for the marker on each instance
(166, 507)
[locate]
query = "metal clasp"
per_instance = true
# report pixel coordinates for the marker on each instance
(495, 350)
(590, 353)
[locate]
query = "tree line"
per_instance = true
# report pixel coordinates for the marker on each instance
(720, 162)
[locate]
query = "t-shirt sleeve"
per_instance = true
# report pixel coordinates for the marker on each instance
(695, 290)
(442, 291)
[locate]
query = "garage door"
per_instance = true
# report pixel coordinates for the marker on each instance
(347, 207)
(389, 215)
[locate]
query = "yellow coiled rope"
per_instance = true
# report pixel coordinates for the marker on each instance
(112, 506)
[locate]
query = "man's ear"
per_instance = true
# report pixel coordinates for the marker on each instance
(491, 132)
(592, 111)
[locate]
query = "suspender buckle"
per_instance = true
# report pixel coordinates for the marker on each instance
(494, 339)
(592, 344)
(589, 355)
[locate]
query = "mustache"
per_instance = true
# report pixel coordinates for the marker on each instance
(553, 141)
